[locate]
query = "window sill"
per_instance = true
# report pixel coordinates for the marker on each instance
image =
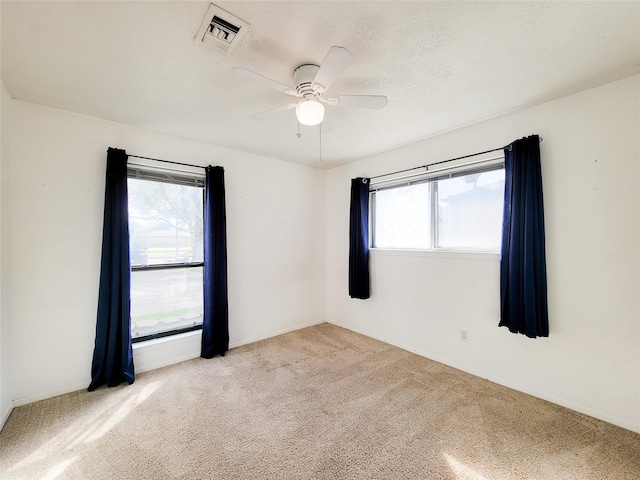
(171, 339)
(454, 254)
(161, 352)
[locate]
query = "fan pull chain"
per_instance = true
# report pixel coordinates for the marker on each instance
(299, 135)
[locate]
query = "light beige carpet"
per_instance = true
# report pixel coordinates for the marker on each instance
(318, 403)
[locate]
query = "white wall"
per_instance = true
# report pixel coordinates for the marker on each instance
(420, 301)
(6, 375)
(277, 214)
(275, 243)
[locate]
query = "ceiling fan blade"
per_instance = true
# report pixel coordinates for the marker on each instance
(274, 111)
(360, 101)
(256, 77)
(337, 59)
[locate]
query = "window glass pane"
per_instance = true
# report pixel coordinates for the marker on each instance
(470, 211)
(165, 299)
(403, 217)
(165, 223)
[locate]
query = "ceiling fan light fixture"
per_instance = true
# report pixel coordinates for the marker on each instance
(309, 112)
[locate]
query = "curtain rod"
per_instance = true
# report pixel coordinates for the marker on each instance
(167, 161)
(426, 167)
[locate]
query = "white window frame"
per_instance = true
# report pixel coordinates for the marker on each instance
(430, 176)
(186, 177)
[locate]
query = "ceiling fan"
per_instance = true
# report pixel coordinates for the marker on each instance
(312, 81)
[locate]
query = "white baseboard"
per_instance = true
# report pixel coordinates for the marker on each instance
(5, 415)
(153, 355)
(274, 334)
(18, 402)
(505, 383)
(193, 342)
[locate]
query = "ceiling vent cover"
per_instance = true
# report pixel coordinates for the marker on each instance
(220, 29)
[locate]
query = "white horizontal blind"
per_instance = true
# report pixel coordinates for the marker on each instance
(458, 170)
(165, 176)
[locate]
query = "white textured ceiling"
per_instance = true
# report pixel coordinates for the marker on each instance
(441, 64)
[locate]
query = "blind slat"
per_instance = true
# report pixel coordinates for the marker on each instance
(154, 175)
(459, 171)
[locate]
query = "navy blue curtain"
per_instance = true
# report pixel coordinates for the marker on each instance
(215, 324)
(359, 239)
(112, 355)
(523, 271)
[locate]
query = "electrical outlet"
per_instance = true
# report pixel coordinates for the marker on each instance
(464, 336)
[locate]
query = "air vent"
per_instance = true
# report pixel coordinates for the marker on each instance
(220, 29)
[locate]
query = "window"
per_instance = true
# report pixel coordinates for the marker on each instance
(460, 210)
(165, 243)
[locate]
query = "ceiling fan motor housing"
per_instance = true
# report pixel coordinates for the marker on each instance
(303, 77)
(311, 83)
